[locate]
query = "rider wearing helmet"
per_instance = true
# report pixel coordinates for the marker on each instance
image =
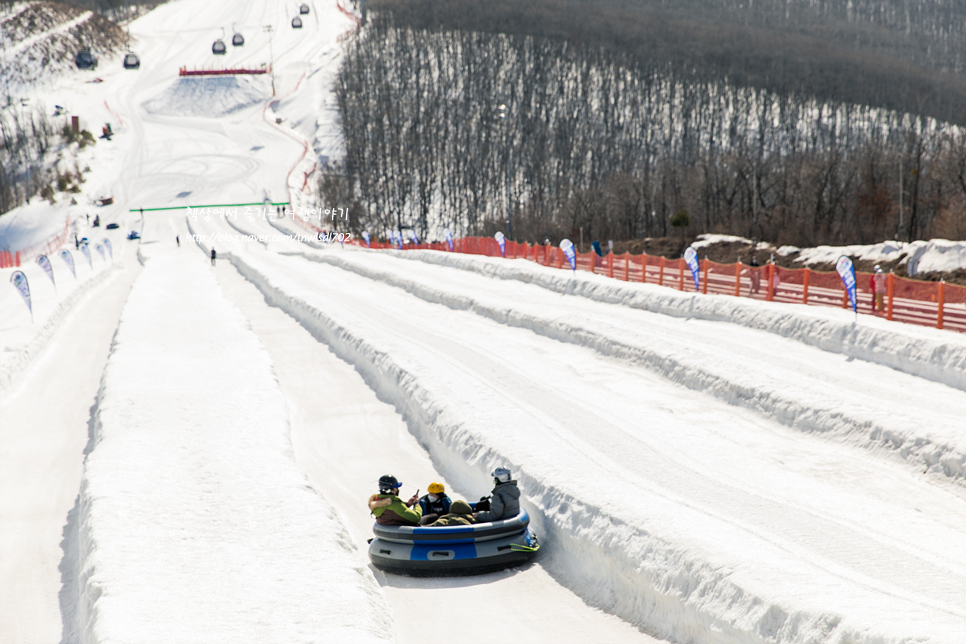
(505, 501)
(389, 509)
(435, 504)
(460, 513)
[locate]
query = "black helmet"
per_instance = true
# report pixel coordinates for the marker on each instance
(388, 483)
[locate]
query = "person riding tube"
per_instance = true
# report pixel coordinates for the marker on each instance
(460, 513)
(435, 504)
(389, 509)
(505, 500)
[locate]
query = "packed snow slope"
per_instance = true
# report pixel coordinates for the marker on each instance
(43, 431)
(342, 433)
(706, 470)
(193, 518)
(690, 515)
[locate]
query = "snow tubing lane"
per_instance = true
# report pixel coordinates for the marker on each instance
(453, 550)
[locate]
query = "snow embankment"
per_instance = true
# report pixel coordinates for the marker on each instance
(23, 340)
(936, 255)
(209, 96)
(193, 522)
(816, 403)
(605, 539)
(939, 356)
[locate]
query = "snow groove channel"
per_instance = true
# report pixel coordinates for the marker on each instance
(939, 356)
(20, 358)
(613, 564)
(193, 520)
(897, 434)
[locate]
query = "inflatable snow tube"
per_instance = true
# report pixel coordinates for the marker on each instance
(453, 550)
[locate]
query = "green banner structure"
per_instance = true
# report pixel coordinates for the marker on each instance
(223, 205)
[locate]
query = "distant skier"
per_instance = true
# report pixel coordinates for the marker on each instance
(505, 500)
(177, 240)
(213, 256)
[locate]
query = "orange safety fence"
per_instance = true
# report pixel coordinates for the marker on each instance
(9, 259)
(934, 304)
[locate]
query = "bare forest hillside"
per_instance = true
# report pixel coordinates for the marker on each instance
(799, 123)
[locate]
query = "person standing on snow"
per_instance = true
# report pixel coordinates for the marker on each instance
(213, 256)
(755, 273)
(879, 286)
(389, 509)
(872, 289)
(435, 504)
(505, 500)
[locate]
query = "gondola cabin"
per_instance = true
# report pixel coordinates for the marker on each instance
(218, 48)
(304, 9)
(296, 23)
(131, 61)
(86, 59)
(237, 40)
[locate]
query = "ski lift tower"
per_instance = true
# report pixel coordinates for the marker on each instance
(26, 150)
(271, 52)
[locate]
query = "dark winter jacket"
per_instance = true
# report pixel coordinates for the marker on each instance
(438, 507)
(504, 504)
(460, 513)
(390, 510)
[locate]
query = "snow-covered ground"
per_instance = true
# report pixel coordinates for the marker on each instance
(186, 450)
(936, 255)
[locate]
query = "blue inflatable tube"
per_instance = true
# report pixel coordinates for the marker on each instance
(454, 550)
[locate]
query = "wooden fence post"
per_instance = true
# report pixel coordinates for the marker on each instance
(610, 264)
(643, 268)
(660, 276)
(892, 286)
(681, 273)
(941, 302)
(738, 279)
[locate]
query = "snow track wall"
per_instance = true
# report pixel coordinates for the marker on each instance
(933, 356)
(19, 358)
(193, 519)
(919, 356)
(612, 564)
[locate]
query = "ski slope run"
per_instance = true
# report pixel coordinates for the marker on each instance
(705, 481)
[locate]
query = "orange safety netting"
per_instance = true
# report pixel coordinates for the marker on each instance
(13, 258)
(935, 304)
